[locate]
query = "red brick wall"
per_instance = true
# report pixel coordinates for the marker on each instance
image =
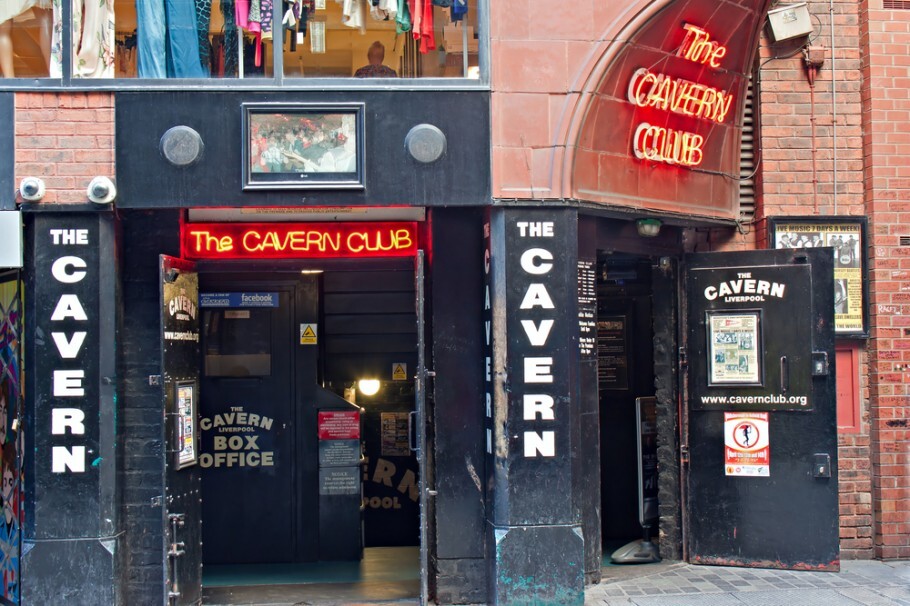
(886, 143)
(66, 139)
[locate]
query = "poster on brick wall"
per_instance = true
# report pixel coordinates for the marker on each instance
(846, 236)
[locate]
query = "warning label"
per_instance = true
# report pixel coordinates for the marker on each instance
(308, 334)
(399, 371)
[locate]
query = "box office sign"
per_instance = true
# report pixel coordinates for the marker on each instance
(846, 236)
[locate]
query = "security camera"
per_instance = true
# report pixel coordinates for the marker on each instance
(31, 189)
(101, 190)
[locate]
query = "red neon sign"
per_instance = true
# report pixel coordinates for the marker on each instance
(298, 240)
(679, 96)
(660, 144)
(698, 47)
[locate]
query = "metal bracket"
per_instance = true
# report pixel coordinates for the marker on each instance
(157, 501)
(154, 380)
(177, 549)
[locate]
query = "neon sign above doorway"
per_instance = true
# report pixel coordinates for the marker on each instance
(682, 97)
(298, 240)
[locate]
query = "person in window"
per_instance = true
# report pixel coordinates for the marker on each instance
(375, 68)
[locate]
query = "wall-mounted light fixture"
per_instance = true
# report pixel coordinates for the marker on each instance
(789, 21)
(648, 228)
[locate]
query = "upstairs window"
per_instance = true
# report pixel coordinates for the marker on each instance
(238, 39)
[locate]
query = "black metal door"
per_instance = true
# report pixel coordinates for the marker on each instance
(420, 403)
(180, 380)
(248, 456)
(760, 429)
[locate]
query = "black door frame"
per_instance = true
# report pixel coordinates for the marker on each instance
(278, 268)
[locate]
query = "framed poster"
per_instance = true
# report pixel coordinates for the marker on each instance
(186, 444)
(734, 343)
(303, 146)
(847, 238)
(612, 352)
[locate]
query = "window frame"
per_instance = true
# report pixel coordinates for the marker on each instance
(278, 81)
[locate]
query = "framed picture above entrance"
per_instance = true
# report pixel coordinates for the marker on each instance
(303, 146)
(846, 235)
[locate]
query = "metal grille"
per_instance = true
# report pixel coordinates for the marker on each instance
(747, 196)
(10, 413)
(897, 5)
(904, 240)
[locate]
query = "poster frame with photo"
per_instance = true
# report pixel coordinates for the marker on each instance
(269, 162)
(850, 270)
(755, 376)
(190, 457)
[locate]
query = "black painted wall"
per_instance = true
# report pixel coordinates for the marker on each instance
(7, 152)
(586, 466)
(460, 177)
(85, 486)
(455, 300)
(666, 388)
(145, 236)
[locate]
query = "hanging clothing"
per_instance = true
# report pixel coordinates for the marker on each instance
(182, 41)
(14, 8)
(56, 67)
(203, 19)
(422, 24)
(230, 60)
(403, 18)
(242, 13)
(93, 39)
(265, 18)
(384, 10)
(173, 53)
(352, 15)
(150, 36)
(459, 10)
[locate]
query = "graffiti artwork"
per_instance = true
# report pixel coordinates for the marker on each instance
(10, 444)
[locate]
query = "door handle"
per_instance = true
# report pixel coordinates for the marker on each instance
(411, 436)
(784, 374)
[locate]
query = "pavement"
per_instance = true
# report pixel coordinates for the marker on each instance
(866, 582)
(869, 582)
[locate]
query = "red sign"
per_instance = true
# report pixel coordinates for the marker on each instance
(338, 425)
(679, 96)
(298, 240)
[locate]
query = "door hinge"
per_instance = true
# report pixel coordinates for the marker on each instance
(684, 454)
(683, 358)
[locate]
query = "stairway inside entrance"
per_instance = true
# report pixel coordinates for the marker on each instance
(384, 575)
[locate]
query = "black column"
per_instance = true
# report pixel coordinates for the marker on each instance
(72, 542)
(535, 545)
(586, 472)
(7, 151)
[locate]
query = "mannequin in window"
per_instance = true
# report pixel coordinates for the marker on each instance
(39, 11)
(375, 68)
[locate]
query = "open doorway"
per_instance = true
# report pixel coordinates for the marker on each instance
(625, 388)
(310, 484)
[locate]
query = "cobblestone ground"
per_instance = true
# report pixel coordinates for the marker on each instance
(678, 584)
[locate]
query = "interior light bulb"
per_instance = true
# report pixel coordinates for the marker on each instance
(368, 387)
